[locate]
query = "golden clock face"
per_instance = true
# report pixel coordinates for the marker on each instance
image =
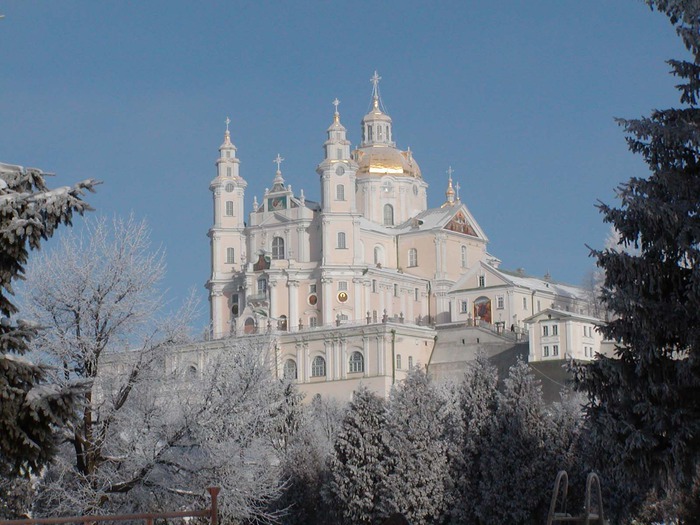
(342, 296)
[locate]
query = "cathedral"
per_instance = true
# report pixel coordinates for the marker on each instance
(357, 287)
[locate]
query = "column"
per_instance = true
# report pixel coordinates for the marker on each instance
(327, 298)
(365, 352)
(358, 314)
(293, 321)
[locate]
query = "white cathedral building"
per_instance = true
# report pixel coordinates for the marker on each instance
(356, 288)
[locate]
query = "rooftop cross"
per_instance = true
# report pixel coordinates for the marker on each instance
(457, 187)
(228, 121)
(375, 81)
(450, 171)
(336, 103)
(278, 160)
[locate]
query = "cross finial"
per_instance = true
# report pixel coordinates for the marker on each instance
(336, 103)
(375, 82)
(278, 160)
(450, 171)
(228, 121)
(457, 187)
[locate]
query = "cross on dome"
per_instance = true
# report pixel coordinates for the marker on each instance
(457, 188)
(228, 121)
(449, 172)
(336, 103)
(375, 82)
(279, 161)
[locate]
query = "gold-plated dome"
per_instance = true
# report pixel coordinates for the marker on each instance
(387, 160)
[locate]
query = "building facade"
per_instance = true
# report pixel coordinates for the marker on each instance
(355, 288)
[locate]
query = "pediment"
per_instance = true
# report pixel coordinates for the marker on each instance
(460, 223)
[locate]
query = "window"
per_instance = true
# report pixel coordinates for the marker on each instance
(357, 363)
(339, 155)
(318, 367)
(555, 350)
(262, 286)
(341, 240)
(388, 133)
(313, 322)
(388, 215)
(555, 329)
(410, 361)
(229, 208)
(234, 304)
(278, 248)
(340, 192)
(416, 293)
(230, 256)
(398, 361)
(482, 281)
(524, 303)
(228, 170)
(499, 302)
(545, 330)
(464, 307)
(396, 290)
(228, 154)
(369, 133)
(464, 256)
(412, 257)
(374, 286)
(290, 369)
(545, 351)
(379, 133)
(342, 286)
(312, 288)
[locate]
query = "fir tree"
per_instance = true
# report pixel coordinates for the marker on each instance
(30, 409)
(515, 462)
(478, 403)
(419, 482)
(359, 463)
(644, 403)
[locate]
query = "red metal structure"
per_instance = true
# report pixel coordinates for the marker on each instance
(148, 517)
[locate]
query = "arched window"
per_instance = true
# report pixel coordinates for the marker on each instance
(369, 133)
(229, 208)
(318, 367)
(398, 361)
(340, 192)
(230, 256)
(413, 257)
(464, 256)
(290, 369)
(249, 326)
(278, 248)
(388, 215)
(357, 363)
(282, 323)
(341, 240)
(228, 170)
(262, 285)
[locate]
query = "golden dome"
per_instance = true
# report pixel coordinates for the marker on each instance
(386, 160)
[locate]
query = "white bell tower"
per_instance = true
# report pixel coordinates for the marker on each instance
(227, 236)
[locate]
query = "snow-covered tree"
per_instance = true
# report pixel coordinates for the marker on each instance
(182, 431)
(515, 463)
(419, 484)
(30, 410)
(305, 464)
(644, 403)
(477, 403)
(359, 465)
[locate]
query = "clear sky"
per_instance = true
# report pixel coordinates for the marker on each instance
(518, 97)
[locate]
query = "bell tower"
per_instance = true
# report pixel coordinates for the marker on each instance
(227, 238)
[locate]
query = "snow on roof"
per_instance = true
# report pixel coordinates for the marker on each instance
(544, 285)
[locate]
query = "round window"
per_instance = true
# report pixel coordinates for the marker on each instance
(229, 187)
(340, 170)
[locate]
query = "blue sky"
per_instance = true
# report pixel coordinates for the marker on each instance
(518, 97)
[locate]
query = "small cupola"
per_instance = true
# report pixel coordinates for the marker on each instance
(376, 125)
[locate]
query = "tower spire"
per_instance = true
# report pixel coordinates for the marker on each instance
(375, 89)
(278, 183)
(450, 192)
